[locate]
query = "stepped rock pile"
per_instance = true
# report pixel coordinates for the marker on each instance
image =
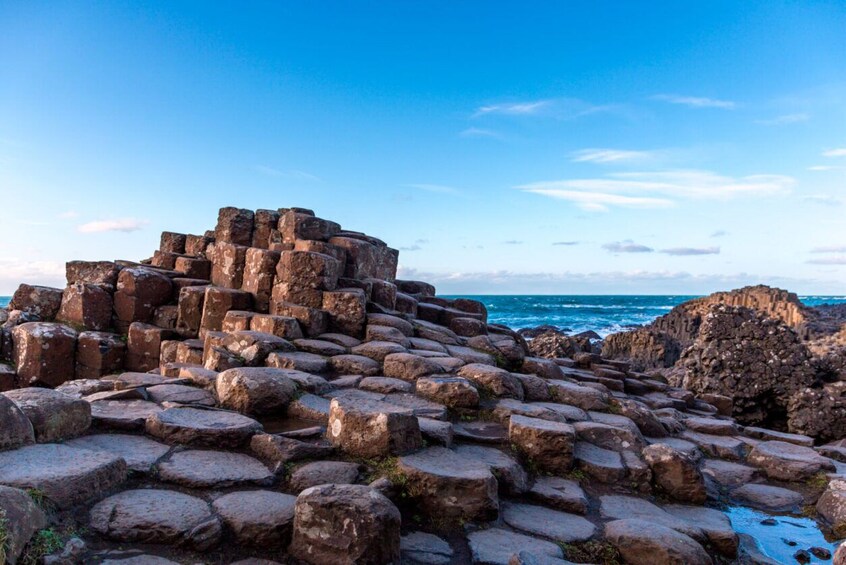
(783, 363)
(269, 392)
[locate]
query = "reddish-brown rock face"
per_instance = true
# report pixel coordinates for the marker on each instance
(44, 353)
(86, 306)
(40, 301)
(235, 225)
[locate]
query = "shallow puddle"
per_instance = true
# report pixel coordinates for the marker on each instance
(775, 540)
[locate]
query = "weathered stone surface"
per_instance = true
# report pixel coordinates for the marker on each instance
(620, 507)
(564, 494)
(158, 517)
(409, 367)
(298, 360)
(558, 526)
(788, 462)
(495, 546)
(255, 390)
(258, 518)
(140, 291)
(549, 445)
(66, 475)
(385, 385)
(98, 354)
(228, 260)
(122, 414)
(86, 306)
(217, 302)
(180, 394)
(312, 321)
(604, 465)
(40, 301)
(768, 498)
(584, 397)
(715, 524)
(347, 309)
(675, 473)
(21, 518)
(455, 392)
(371, 428)
(323, 472)
(201, 427)
(102, 273)
(729, 474)
(144, 346)
(494, 381)
(213, 469)
(235, 225)
(641, 542)
(15, 428)
(510, 475)
(831, 506)
(345, 524)
(44, 353)
(451, 485)
(420, 548)
(55, 416)
(140, 453)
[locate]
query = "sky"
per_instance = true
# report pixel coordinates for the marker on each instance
(514, 148)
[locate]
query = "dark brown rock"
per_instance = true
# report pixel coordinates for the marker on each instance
(44, 353)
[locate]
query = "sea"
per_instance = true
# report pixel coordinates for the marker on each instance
(604, 314)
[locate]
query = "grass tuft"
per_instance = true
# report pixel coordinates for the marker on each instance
(593, 551)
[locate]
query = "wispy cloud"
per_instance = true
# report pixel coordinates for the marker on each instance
(655, 189)
(785, 119)
(568, 243)
(719, 233)
(14, 271)
(836, 260)
(289, 173)
(513, 242)
(829, 249)
(438, 188)
(687, 251)
(696, 101)
(120, 225)
(414, 247)
(609, 156)
(558, 108)
(823, 199)
(626, 246)
(513, 108)
(839, 152)
(823, 168)
(480, 133)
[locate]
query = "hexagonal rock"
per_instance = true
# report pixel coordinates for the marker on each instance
(563, 494)
(675, 473)
(549, 445)
(612, 437)
(832, 505)
(15, 428)
(254, 347)
(180, 394)
(345, 524)
(385, 385)
(139, 292)
(377, 350)
(604, 465)
(493, 380)
(644, 543)
(202, 427)
(369, 428)
(87, 306)
(455, 392)
(323, 472)
(122, 414)
(66, 475)
(255, 390)
(102, 273)
(235, 225)
(509, 474)
(409, 367)
(259, 518)
(715, 524)
(584, 397)
(41, 301)
(44, 353)
(347, 309)
(428, 549)
(158, 517)
(496, 546)
(451, 485)
(217, 302)
(21, 519)
(55, 416)
(619, 507)
(196, 468)
(768, 498)
(785, 461)
(139, 452)
(558, 526)
(98, 354)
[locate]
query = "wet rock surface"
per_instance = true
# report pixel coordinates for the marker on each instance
(269, 392)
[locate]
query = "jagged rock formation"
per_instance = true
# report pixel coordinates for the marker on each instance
(268, 390)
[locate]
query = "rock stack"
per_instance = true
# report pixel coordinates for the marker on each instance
(269, 392)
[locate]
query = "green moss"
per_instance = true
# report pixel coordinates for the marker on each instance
(594, 551)
(577, 475)
(818, 481)
(38, 497)
(43, 543)
(4, 535)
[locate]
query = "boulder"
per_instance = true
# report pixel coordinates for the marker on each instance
(549, 445)
(44, 353)
(492, 380)
(15, 428)
(55, 416)
(675, 473)
(367, 428)
(86, 306)
(455, 392)
(831, 506)
(409, 367)
(235, 225)
(40, 301)
(155, 516)
(345, 524)
(788, 462)
(258, 518)
(255, 390)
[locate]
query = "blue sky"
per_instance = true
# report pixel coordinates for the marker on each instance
(532, 147)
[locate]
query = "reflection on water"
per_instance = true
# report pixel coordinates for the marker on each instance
(775, 540)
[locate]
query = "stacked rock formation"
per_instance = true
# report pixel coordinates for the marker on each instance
(270, 391)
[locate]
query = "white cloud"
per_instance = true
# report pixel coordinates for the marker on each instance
(513, 109)
(14, 271)
(691, 251)
(290, 173)
(785, 119)
(567, 243)
(823, 168)
(836, 260)
(480, 132)
(641, 189)
(823, 199)
(696, 101)
(839, 152)
(121, 224)
(627, 246)
(559, 108)
(438, 188)
(829, 249)
(608, 155)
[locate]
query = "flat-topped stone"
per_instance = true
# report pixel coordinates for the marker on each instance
(560, 493)
(496, 546)
(604, 465)
(298, 360)
(140, 453)
(712, 426)
(259, 518)
(157, 516)
(641, 542)
(620, 507)
(67, 475)
(557, 526)
(132, 380)
(122, 414)
(785, 461)
(508, 472)
(482, 432)
(180, 394)
(385, 385)
(323, 472)
(451, 485)
(202, 427)
(715, 524)
(455, 392)
(255, 390)
(213, 469)
(369, 428)
(492, 380)
(773, 435)
(768, 497)
(425, 549)
(729, 474)
(54, 416)
(547, 444)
